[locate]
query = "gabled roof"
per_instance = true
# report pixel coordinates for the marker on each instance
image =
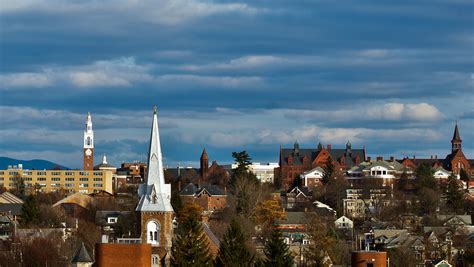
(79, 199)
(194, 190)
(9, 198)
(82, 256)
(311, 153)
(301, 190)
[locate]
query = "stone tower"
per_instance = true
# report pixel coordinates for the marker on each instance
(456, 141)
(154, 207)
(204, 167)
(88, 163)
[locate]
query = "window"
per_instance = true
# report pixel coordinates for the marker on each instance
(69, 173)
(55, 185)
(84, 191)
(41, 173)
(112, 220)
(83, 179)
(153, 229)
(70, 179)
(56, 173)
(97, 173)
(41, 179)
(83, 185)
(155, 260)
(84, 173)
(97, 185)
(69, 185)
(97, 179)
(55, 179)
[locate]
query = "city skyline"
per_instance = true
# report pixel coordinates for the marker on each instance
(234, 76)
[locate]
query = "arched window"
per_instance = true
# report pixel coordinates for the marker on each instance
(88, 141)
(155, 260)
(153, 230)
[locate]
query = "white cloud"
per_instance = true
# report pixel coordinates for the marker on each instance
(219, 81)
(117, 73)
(166, 12)
(35, 80)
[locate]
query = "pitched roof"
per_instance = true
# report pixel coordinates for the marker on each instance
(79, 199)
(11, 208)
(349, 155)
(82, 255)
(192, 189)
(7, 197)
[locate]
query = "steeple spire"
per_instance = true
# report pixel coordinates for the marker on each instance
(155, 186)
(204, 162)
(456, 141)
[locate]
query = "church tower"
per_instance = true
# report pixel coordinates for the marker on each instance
(154, 207)
(88, 163)
(204, 168)
(456, 141)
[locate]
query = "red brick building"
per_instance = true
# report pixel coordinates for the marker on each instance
(295, 161)
(123, 255)
(455, 161)
(208, 197)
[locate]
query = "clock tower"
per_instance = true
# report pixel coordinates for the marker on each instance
(88, 144)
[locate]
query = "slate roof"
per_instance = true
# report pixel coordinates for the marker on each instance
(82, 255)
(312, 153)
(295, 217)
(11, 209)
(192, 189)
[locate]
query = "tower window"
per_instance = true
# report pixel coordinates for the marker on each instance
(153, 230)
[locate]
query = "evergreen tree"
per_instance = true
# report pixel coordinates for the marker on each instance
(454, 194)
(190, 247)
(30, 210)
(403, 181)
(243, 160)
(464, 175)
(277, 252)
(424, 177)
(233, 250)
(328, 171)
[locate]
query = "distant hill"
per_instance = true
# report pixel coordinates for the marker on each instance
(37, 164)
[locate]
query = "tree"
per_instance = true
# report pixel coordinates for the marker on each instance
(424, 177)
(403, 181)
(233, 250)
(243, 160)
(190, 247)
(329, 171)
(454, 194)
(428, 200)
(19, 189)
(30, 210)
(268, 211)
(464, 175)
(277, 252)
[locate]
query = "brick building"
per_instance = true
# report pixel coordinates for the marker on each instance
(454, 162)
(208, 197)
(295, 161)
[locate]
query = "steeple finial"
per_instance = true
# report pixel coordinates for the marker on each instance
(104, 159)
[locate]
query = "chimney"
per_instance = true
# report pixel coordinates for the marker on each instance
(379, 158)
(368, 159)
(329, 146)
(392, 159)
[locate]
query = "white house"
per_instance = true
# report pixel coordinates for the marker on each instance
(344, 223)
(312, 177)
(441, 173)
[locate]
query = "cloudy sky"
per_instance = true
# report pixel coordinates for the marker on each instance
(231, 76)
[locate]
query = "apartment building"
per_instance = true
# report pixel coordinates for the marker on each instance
(83, 181)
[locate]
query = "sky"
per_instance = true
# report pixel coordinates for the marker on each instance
(393, 76)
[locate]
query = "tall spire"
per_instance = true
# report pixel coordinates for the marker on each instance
(155, 193)
(456, 141)
(204, 162)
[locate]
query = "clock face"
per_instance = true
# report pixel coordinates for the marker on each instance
(88, 152)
